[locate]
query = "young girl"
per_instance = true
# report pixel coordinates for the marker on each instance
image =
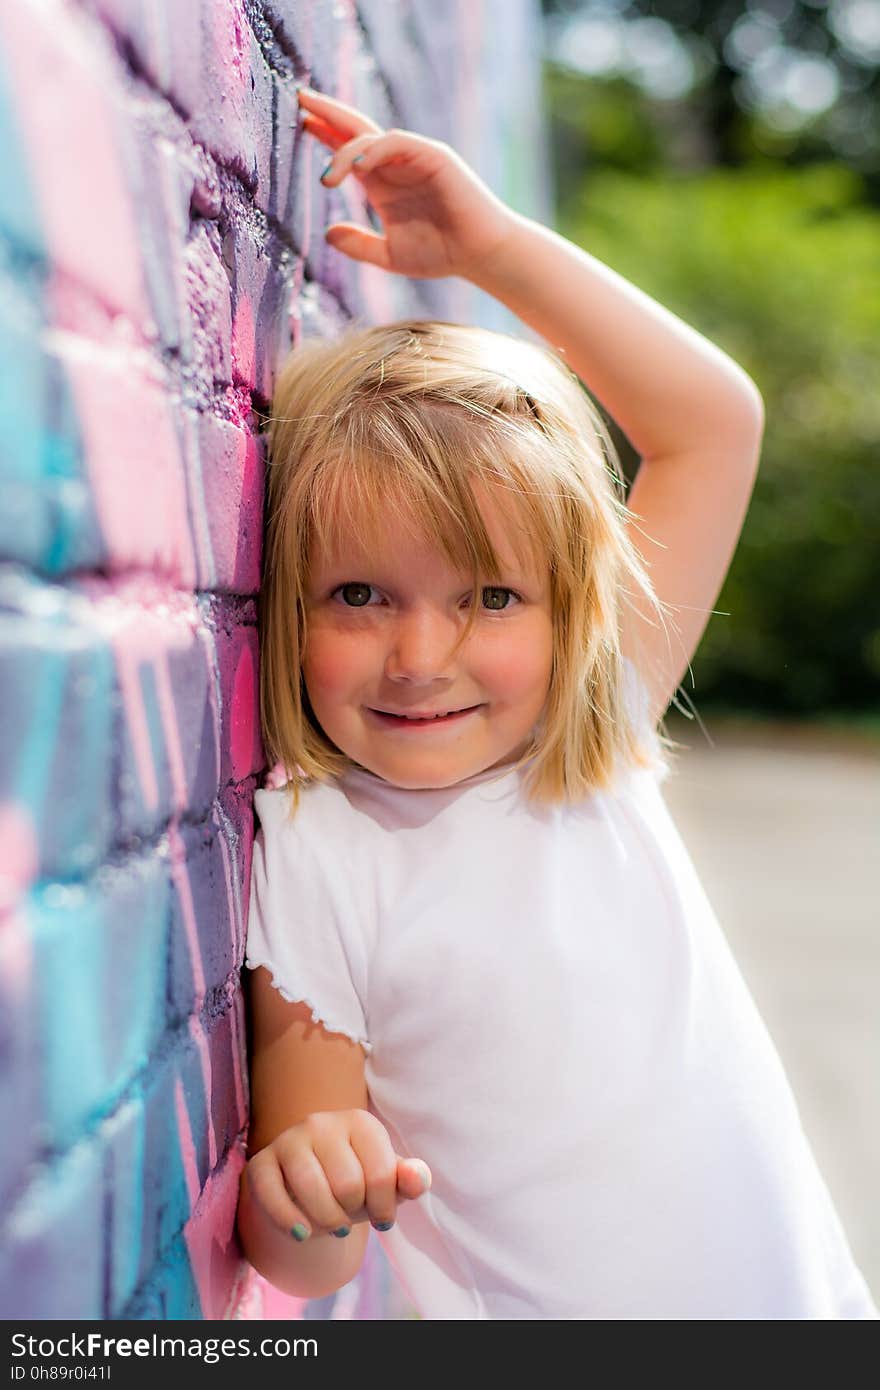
(493, 1012)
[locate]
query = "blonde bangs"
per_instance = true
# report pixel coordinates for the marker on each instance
(417, 474)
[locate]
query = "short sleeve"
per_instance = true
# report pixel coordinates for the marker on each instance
(302, 923)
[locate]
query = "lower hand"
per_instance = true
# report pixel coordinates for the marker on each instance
(438, 217)
(334, 1169)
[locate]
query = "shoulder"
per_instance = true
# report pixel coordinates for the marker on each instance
(321, 805)
(321, 842)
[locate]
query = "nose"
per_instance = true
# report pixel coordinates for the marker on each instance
(420, 646)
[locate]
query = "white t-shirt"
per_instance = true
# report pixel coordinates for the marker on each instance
(553, 1019)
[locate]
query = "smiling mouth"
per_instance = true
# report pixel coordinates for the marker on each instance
(405, 721)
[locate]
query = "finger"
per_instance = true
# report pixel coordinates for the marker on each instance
(419, 156)
(413, 1177)
(378, 1161)
(350, 156)
(266, 1184)
(323, 132)
(310, 1190)
(345, 118)
(344, 1173)
(358, 243)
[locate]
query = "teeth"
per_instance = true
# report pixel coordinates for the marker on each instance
(421, 718)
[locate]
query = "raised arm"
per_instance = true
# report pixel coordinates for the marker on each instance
(670, 389)
(691, 412)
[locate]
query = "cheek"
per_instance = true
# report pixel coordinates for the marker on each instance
(331, 664)
(522, 666)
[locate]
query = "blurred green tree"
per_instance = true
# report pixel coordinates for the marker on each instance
(780, 268)
(729, 82)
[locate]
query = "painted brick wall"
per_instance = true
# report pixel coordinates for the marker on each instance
(161, 249)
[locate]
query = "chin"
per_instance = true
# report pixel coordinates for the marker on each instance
(416, 782)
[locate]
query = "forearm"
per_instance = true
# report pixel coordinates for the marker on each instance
(668, 387)
(312, 1268)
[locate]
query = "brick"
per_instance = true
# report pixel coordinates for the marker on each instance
(238, 668)
(19, 1044)
(160, 186)
(228, 1116)
(417, 81)
(213, 1249)
(52, 1245)
(233, 116)
(99, 952)
(20, 221)
(204, 56)
(170, 1294)
(177, 1258)
(208, 310)
(261, 292)
(204, 936)
(146, 1306)
(57, 733)
(286, 141)
(164, 39)
(231, 480)
(122, 1140)
(318, 31)
(167, 734)
(272, 331)
(67, 97)
(174, 1119)
(116, 684)
(48, 519)
(131, 443)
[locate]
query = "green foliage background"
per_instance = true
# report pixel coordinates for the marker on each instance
(777, 263)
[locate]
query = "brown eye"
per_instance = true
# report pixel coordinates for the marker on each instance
(498, 590)
(364, 590)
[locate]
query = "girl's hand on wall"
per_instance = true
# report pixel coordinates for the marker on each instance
(334, 1168)
(438, 217)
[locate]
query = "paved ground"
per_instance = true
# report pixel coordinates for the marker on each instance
(782, 824)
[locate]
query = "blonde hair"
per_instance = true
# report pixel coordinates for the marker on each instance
(410, 414)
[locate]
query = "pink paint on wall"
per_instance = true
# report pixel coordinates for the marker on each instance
(142, 619)
(19, 856)
(230, 486)
(134, 465)
(244, 734)
(212, 1245)
(70, 116)
(161, 146)
(129, 677)
(244, 343)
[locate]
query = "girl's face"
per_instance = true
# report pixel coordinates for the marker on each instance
(381, 633)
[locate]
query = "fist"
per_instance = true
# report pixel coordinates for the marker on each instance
(334, 1168)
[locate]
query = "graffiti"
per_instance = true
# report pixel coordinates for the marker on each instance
(161, 249)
